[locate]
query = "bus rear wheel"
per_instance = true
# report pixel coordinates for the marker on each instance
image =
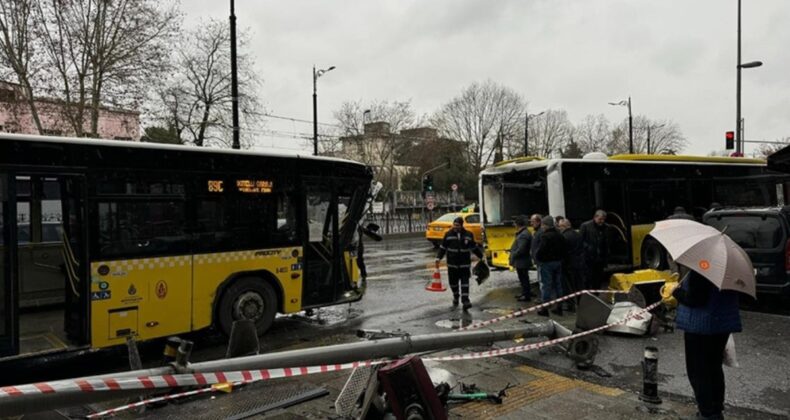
(248, 298)
(654, 255)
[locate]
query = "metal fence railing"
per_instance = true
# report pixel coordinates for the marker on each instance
(405, 220)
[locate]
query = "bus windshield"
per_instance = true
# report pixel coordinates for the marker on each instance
(515, 194)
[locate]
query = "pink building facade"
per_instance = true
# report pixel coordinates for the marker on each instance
(15, 117)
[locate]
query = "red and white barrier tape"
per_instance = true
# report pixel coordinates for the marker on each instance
(542, 344)
(171, 381)
(536, 307)
(155, 400)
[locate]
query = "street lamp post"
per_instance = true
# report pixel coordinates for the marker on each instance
(751, 64)
(316, 75)
(526, 130)
(630, 123)
(234, 82)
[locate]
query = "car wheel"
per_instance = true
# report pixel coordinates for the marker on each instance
(654, 255)
(248, 298)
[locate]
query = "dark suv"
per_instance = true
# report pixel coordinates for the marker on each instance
(764, 233)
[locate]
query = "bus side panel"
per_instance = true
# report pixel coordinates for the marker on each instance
(145, 298)
(638, 235)
(211, 270)
(499, 240)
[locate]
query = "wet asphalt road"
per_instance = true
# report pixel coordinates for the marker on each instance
(396, 300)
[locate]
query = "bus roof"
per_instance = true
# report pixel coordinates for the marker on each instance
(160, 146)
(524, 163)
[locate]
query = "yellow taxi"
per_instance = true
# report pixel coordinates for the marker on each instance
(437, 228)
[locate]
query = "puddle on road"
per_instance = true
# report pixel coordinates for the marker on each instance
(327, 316)
(455, 322)
(500, 311)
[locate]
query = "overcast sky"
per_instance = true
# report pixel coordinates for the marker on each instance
(675, 58)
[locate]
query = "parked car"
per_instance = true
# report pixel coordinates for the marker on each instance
(764, 233)
(436, 229)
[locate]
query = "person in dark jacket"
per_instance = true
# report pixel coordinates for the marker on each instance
(573, 267)
(521, 259)
(707, 316)
(459, 245)
(535, 223)
(680, 213)
(595, 240)
(549, 255)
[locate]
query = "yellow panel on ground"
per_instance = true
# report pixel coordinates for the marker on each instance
(624, 281)
(499, 240)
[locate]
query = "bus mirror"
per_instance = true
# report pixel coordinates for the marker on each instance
(372, 227)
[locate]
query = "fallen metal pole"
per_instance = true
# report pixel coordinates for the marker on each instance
(335, 354)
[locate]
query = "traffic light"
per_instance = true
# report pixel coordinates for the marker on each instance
(427, 183)
(729, 138)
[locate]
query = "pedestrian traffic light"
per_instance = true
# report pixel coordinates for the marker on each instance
(729, 138)
(427, 183)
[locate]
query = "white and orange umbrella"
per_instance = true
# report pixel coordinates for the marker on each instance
(709, 252)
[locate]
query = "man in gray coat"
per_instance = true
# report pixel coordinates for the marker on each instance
(520, 258)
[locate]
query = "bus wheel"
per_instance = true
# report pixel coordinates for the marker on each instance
(654, 255)
(248, 298)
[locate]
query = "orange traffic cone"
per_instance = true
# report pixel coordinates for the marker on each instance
(436, 283)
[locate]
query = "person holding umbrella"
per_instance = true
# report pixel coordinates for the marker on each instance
(708, 313)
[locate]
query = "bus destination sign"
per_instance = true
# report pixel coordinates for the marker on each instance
(254, 186)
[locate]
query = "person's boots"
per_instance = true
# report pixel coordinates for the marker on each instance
(557, 310)
(543, 312)
(467, 305)
(455, 302)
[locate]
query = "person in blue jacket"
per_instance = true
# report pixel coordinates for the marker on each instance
(707, 316)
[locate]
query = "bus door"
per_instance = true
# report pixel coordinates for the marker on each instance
(9, 316)
(321, 254)
(52, 273)
(610, 196)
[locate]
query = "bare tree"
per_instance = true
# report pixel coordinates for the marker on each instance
(484, 116)
(104, 53)
(382, 148)
(18, 48)
(353, 115)
(196, 100)
(550, 133)
(768, 149)
(593, 134)
(665, 137)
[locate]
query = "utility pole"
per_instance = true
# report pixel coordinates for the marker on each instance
(234, 81)
(630, 129)
(316, 75)
(751, 64)
(738, 138)
(315, 113)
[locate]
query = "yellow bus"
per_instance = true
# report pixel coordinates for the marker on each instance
(635, 191)
(121, 239)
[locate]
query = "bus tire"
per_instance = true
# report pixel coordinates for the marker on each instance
(247, 298)
(654, 255)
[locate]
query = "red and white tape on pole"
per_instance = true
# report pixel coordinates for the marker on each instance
(521, 312)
